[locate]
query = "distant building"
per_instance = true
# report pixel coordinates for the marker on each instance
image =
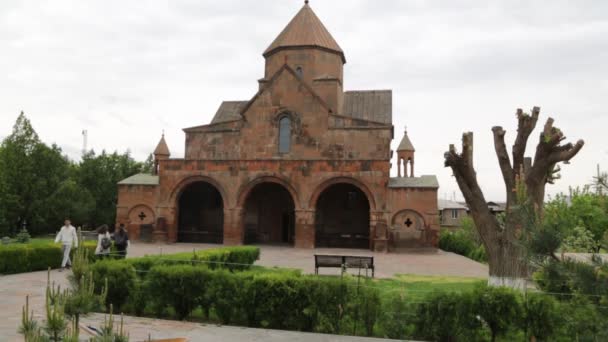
(451, 213)
(301, 163)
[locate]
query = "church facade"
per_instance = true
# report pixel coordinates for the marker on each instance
(303, 163)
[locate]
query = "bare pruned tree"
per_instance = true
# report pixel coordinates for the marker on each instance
(506, 255)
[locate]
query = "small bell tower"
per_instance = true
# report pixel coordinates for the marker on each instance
(405, 156)
(160, 153)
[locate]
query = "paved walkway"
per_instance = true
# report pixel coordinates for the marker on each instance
(14, 289)
(420, 261)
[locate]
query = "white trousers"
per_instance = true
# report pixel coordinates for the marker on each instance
(66, 255)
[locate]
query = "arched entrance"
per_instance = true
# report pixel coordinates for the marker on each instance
(269, 215)
(200, 214)
(342, 217)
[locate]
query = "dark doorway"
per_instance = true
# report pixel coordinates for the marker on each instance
(201, 214)
(269, 215)
(342, 217)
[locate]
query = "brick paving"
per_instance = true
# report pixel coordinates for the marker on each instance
(14, 288)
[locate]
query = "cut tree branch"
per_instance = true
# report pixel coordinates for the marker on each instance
(503, 160)
(525, 125)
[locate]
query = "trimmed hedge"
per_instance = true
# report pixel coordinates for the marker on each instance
(458, 242)
(232, 258)
(29, 257)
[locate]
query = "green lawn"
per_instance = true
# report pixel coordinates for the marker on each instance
(417, 286)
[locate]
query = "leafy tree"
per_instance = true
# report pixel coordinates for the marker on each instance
(580, 217)
(31, 172)
(70, 200)
(99, 174)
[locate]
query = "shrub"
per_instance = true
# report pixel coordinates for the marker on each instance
(6, 240)
(446, 316)
(397, 316)
(19, 258)
(23, 236)
(461, 242)
(499, 308)
(180, 286)
(541, 316)
(121, 281)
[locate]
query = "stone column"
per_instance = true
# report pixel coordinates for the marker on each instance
(305, 229)
(169, 215)
(234, 231)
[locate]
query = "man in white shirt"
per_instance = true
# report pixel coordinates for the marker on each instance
(67, 236)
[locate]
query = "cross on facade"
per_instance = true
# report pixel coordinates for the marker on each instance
(142, 216)
(408, 222)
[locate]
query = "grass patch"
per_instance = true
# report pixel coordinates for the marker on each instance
(418, 286)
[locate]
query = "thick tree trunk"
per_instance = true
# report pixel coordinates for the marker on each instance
(507, 255)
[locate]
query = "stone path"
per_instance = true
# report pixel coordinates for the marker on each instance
(422, 261)
(14, 288)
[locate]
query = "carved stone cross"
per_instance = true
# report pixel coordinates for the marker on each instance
(142, 216)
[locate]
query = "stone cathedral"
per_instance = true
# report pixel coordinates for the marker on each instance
(303, 162)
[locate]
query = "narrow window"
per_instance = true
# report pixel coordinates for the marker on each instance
(299, 71)
(284, 134)
(454, 213)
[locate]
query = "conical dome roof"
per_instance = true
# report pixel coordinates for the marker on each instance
(405, 144)
(162, 149)
(305, 30)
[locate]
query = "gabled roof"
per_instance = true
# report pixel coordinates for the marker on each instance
(447, 204)
(405, 144)
(414, 182)
(140, 179)
(162, 149)
(229, 111)
(305, 30)
(370, 105)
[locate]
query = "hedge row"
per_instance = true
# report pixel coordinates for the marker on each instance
(274, 299)
(291, 301)
(458, 242)
(20, 258)
(233, 258)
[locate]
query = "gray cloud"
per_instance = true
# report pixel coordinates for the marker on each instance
(126, 70)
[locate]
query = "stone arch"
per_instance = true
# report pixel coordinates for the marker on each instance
(245, 189)
(337, 180)
(415, 217)
(408, 228)
(135, 214)
(268, 211)
(184, 183)
(199, 202)
(141, 219)
(343, 210)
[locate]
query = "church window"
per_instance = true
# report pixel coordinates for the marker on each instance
(299, 71)
(284, 134)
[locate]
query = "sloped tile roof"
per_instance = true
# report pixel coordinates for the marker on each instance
(229, 111)
(140, 179)
(305, 29)
(370, 105)
(425, 181)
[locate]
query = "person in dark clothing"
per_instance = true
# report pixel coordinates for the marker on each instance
(121, 241)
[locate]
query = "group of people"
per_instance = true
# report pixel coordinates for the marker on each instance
(68, 238)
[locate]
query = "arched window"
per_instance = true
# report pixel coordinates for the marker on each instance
(284, 134)
(299, 71)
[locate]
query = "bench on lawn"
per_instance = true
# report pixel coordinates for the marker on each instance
(349, 261)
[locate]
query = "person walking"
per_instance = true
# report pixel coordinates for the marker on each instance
(121, 241)
(67, 237)
(104, 242)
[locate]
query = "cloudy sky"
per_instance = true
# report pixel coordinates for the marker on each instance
(126, 70)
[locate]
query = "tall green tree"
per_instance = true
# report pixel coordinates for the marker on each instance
(31, 172)
(582, 209)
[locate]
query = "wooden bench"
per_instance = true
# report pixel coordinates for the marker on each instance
(344, 261)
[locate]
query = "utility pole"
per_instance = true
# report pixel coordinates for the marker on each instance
(85, 135)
